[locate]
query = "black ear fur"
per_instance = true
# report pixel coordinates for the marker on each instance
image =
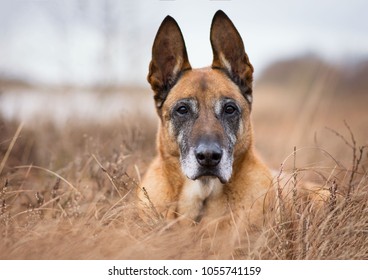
(169, 59)
(229, 54)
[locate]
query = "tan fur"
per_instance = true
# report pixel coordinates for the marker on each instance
(244, 194)
(242, 200)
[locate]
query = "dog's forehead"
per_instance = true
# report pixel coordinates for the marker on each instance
(204, 85)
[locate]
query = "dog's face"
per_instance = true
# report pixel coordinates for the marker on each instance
(204, 112)
(206, 115)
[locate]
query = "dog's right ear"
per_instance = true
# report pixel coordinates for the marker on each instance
(169, 59)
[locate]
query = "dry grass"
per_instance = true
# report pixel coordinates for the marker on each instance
(70, 193)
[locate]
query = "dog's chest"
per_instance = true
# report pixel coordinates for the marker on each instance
(196, 195)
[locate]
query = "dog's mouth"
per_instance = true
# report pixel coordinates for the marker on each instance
(206, 172)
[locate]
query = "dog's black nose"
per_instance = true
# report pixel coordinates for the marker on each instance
(208, 155)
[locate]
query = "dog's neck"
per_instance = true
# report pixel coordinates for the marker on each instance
(194, 195)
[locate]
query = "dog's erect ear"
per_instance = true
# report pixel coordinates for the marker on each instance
(169, 59)
(229, 54)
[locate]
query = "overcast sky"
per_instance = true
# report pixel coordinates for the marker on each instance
(88, 42)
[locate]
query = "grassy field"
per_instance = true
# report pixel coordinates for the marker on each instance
(69, 192)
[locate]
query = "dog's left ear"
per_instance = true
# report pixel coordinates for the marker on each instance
(229, 54)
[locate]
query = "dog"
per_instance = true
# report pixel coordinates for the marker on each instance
(206, 165)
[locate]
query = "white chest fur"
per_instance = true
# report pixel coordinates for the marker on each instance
(195, 193)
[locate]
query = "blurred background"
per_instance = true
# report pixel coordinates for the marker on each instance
(84, 42)
(78, 125)
(64, 62)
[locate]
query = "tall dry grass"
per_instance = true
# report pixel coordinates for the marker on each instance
(70, 193)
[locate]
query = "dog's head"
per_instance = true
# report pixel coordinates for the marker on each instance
(204, 112)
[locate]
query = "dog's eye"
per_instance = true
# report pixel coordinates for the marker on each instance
(230, 109)
(182, 110)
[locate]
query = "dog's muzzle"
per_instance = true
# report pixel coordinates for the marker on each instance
(209, 155)
(207, 158)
